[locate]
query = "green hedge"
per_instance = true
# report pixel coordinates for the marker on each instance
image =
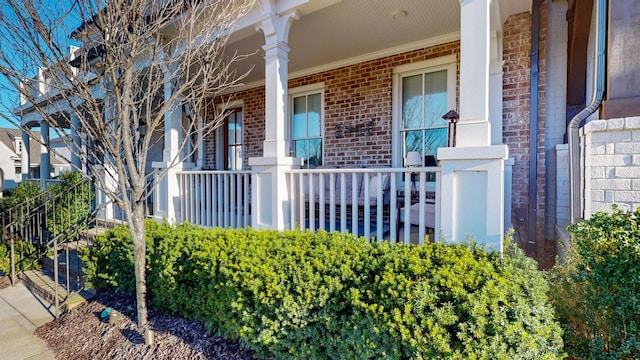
(597, 293)
(327, 295)
(27, 255)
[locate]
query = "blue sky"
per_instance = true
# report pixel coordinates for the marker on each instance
(52, 9)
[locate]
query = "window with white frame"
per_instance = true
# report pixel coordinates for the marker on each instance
(424, 92)
(230, 139)
(307, 126)
(233, 125)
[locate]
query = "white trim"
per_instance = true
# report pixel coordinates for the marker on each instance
(307, 89)
(416, 45)
(448, 63)
(426, 66)
(220, 141)
(421, 44)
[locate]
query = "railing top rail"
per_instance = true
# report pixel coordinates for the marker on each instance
(366, 170)
(212, 172)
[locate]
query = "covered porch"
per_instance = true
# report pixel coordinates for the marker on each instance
(341, 100)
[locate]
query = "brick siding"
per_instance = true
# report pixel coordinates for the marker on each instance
(516, 118)
(611, 151)
(353, 94)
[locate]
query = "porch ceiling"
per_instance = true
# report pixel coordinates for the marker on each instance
(350, 29)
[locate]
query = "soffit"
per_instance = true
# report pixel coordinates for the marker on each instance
(352, 28)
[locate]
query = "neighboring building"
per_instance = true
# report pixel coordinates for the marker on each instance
(339, 90)
(11, 148)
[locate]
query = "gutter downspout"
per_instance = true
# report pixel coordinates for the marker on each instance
(574, 125)
(532, 218)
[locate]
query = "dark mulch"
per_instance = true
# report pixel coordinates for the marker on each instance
(83, 334)
(5, 281)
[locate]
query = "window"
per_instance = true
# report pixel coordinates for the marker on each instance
(424, 101)
(232, 140)
(424, 92)
(306, 128)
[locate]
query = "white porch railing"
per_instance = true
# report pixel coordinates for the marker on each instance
(367, 202)
(215, 198)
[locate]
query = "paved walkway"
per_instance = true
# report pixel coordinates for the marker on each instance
(21, 313)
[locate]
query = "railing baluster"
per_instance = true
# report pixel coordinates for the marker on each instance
(247, 199)
(354, 204)
(393, 206)
(343, 202)
(300, 189)
(367, 210)
(379, 209)
(321, 202)
(407, 205)
(226, 201)
(421, 212)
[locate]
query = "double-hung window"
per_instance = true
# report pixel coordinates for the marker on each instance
(230, 141)
(425, 92)
(307, 127)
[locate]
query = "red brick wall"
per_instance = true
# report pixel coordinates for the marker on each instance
(353, 94)
(253, 108)
(516, 117)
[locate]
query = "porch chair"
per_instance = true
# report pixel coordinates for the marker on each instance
(413, 217)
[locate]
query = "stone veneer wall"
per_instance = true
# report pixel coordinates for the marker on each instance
(353, 94)
(611, 158)
(516, 118)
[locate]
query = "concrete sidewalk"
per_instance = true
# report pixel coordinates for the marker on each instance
(21, 312)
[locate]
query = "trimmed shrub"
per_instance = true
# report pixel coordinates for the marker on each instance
(26, 190)
(27, 256)
(72, 202)
(328, 295)
(597, 292)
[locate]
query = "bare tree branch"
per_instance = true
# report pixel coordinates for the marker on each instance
(136, 63)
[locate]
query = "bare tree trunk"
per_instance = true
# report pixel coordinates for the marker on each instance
(136, 227)
(114, 85)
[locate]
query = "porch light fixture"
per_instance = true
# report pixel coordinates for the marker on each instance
(452, 117)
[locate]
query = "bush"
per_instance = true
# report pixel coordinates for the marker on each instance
(597, 292)
(27, 256)
(72, 202)
(24, 191)
(328, 295)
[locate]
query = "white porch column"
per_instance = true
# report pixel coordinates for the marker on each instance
(76, 161)
(24, 156)
(474, 128)
(45, 159)
(473, 173)
(172, 123)
(270, 188)
(167, 204)
(495, 88)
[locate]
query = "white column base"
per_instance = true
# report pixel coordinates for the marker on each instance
(270, 192)
(473, 182)
(166, 198)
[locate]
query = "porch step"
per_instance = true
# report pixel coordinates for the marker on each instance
(109, 223)
(41, 283)
(88, 236)
(73, 263)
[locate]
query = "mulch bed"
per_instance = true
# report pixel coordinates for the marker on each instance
(5, 281)
(83, 334)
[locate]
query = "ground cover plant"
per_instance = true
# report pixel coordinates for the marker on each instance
(597, 292)
(325, 295)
